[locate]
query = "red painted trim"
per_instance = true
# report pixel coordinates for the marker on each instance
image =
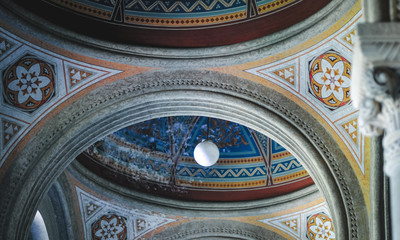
(213, 35)
(192, 194)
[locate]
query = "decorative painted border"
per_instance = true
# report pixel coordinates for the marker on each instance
(172, 19)
(295, 224)
(341, 41)
(63, 81)
(138, 222)
(224, 32)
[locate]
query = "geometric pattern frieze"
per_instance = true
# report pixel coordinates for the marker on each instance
(310, 223)
(286, 74)
(320, 78)
(105, 220)
(351, 128)
(350, 37)
(10, 129)
(76, 75)
(5, 46)
(79, 74)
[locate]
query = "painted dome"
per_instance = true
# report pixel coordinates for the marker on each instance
(177, 23)
(156, 156)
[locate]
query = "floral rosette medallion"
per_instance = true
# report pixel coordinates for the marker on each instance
(109, 227)
(29, 83)
(320, 227)
(330, 79)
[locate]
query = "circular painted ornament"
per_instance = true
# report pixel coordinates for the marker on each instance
(330, 79)
(320, 227)
(29, 83)
(109, 227)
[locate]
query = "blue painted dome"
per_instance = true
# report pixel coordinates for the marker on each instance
(160, 152)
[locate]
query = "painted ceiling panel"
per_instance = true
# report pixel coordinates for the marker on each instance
(201, 22)
(185, 8)
(99, 215)
(159, 152)
(153, 135)
(232, 139)
(157, 155)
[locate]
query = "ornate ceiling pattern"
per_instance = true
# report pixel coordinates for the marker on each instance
(39, 80)
(320, 77)
(154, 22)
(292, 73)
(159, 153)
(175, 13)
(103, 218)
(34, 82)
(312, 223)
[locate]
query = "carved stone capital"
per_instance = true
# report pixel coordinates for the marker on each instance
(377, 98)
(376, 87)
(375, 91)
(379, 107)
(375, 77)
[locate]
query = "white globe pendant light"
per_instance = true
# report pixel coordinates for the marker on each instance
(206, 153)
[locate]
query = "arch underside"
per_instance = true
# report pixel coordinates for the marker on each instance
(41, 157)
(176, 93)
(216, 230)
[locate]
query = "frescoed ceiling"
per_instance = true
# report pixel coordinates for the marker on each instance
(157, 156)
(302, 220)
(199, 23)
(42, 79)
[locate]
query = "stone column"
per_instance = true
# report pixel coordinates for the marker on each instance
(376, 93)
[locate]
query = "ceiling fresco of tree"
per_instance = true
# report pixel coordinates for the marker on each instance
(157, 156)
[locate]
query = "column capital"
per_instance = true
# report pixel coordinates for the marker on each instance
(376, 86)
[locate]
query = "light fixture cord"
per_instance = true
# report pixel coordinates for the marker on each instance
(208, 127)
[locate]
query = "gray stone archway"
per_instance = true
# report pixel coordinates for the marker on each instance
(166, 93)
(216, 230)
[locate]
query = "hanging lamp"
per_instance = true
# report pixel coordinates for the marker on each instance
(206, 153)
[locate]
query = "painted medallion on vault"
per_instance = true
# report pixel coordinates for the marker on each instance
(109, 227)
(29, 83)
(320, 227)
(330, 79)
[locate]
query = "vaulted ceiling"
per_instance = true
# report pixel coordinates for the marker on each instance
(177, 23)
(280, 67)
(156, 156)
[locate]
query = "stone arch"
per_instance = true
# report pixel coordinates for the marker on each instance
(173, 92)
(216, 230)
